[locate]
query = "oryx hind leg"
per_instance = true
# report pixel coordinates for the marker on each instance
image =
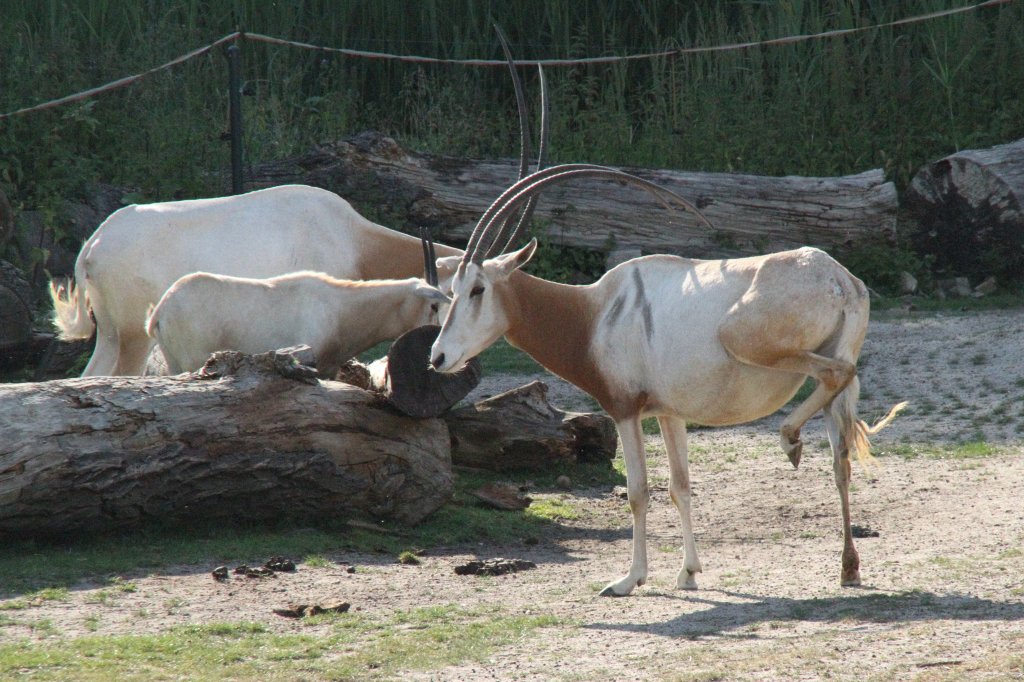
(831, 374)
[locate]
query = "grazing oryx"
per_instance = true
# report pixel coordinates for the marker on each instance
(337, 318)
(139, 251)
(714, 342)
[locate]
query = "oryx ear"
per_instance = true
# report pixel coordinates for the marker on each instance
(505, 264)
(446, 266)
(431, 293)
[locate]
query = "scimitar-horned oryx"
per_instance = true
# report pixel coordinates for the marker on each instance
(712, 342)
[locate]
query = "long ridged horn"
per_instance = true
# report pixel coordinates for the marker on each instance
(529, 186)
(429, 257)
(524, 219)
(525, 150)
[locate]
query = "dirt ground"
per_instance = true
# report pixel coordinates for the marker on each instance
(943, 593)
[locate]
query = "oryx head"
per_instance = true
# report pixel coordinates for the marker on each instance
(482, 299)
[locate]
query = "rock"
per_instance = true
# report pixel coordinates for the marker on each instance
(15, 308)
(504, 497)
(987, 286)
(908, 283)
(955, 286)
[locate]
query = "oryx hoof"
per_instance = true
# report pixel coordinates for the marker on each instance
(621, 588)
(686, 580)
(794, 450)
(851, 580)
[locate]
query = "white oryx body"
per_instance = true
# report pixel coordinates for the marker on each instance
(140, 251)
(202, 313)
(714, 342)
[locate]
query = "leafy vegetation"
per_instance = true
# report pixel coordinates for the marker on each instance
(890, 97)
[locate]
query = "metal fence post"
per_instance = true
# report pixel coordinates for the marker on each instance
(234, 55)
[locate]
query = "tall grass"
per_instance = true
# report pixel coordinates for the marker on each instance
(893, 97)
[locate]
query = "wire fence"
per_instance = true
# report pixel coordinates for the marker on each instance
(552, 63)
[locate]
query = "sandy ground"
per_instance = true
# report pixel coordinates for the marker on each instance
(943, 593)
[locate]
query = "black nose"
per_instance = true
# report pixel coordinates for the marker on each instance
(438, 361)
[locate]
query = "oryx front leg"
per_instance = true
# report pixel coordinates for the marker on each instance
(673, 430)
(633, 453)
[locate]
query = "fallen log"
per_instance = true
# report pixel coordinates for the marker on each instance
(520, 429)
(969, 212)
(254, 437)
(751, 214)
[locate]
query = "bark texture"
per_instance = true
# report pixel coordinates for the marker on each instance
(751, 214)
(246, 437)
(520, 429)
(969, 212)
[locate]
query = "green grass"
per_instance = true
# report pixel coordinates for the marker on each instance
(881, 98)
(355, 646)
(972, 450)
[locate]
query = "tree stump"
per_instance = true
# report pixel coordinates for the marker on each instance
(751, 214)
(520, 429)
(254, 437)
(969, 210)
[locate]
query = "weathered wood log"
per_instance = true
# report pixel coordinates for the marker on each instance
(246, 437)
(969, 210)
(519, 429)
(751, 214)
(405, 379)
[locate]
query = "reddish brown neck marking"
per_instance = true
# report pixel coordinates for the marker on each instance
(554, 323)
(393, 255)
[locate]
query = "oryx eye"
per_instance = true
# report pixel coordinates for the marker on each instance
(477, 290)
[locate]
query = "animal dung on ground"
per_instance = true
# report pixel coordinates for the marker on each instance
(863, 531)
(306, 610)
(496, 566)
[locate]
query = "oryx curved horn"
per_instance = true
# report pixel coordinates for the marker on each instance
(524, 219)
(529, 186)
(524, 135)
(429, 257)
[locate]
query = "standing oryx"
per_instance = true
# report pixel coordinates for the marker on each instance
(714, 342)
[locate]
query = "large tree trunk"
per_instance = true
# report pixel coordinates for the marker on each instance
(751, 214)
(247, 437)
(969, 209)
